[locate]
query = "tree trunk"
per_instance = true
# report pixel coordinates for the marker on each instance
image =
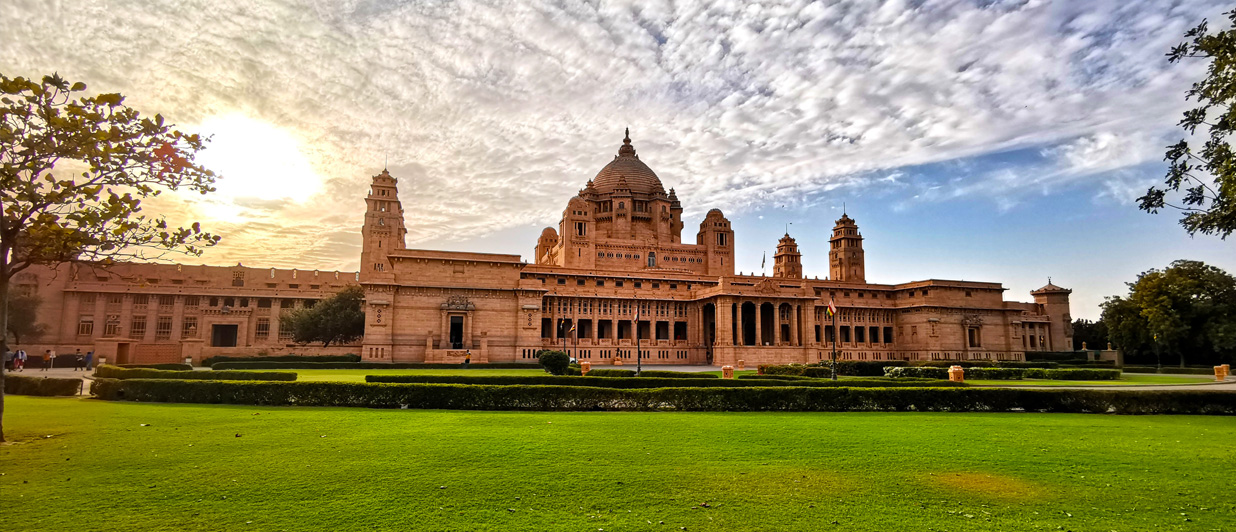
(4, 339)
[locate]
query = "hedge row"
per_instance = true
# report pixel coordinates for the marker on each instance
(927, 372)
(796, 370)
(169, 367)
(675, 374)
(365, 365)
(1175, 370)
(211, 361)
(642, 382)
(983, 364)
(45, 386)
(549, 398)
(113, 372)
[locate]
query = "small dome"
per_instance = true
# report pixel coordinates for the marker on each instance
(639, 178)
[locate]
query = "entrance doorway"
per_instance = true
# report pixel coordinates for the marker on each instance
(223, 335)
(122, 353)
(456, 332)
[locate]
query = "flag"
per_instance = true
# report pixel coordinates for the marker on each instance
(572, 328)
(832, 309)
(764, 260)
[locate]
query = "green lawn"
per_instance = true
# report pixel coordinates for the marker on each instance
(82, 464)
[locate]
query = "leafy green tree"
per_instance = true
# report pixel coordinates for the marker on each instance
(554, 362)
(336, 319)
(1186, 312)
(74, 170)
(1091, 333)
(1206, 177)
(23, 317)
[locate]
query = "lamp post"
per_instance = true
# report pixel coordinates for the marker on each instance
(833, 369)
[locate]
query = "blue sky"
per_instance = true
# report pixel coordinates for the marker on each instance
(988, 140)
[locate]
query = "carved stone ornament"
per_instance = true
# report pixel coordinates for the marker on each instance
(457, 303)
(972, 319)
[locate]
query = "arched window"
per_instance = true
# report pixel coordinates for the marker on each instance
(652, 259)
(621, 205)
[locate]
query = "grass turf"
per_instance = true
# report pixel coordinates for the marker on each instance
(82, 464)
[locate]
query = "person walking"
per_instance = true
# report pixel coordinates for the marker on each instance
(20, 361)
(89, 360)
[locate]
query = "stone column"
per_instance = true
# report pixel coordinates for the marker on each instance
(759, 323)
(737, 333)
(794, 333)
(100, 315)
(178, 315)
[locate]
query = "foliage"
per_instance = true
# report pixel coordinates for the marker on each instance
(645, 382)
(863, 368)
(23, 317)
(920, 372)
(677, 374)
(108, 371)
(987, 373)
(73, 173)
(554, 362)
(1070, 374)
(1091, 333)
(1207, 177)
(798, 370)
(1169, 370)
(47, 386)
(1186, 312)
(337, 319)
(985, 364)
(169, 367)
(211, 361)
(607, 372)
(699, 399)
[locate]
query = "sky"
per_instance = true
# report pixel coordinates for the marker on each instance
(978, 140)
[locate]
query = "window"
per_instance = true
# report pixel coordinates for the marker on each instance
(652, 259)
(309, 303)
(112, 326)
(561, 281)
(600, 282)
(238, 278)
(618, 284)
(167, 301)
(639, 284)
(581, 229)
(975, 337)
(137, 328)
(968, 294)
(294, 285)
(261, 330)
(163, 328)
(188, 327)
(87, 299)
(85, 326)
(924, 292)
(285, 333)
(579, 282)
(656, 286)
(287, 303)
(192, 301)
(721, 239)
(141, 300)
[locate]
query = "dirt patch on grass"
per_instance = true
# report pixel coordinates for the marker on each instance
(986, 485)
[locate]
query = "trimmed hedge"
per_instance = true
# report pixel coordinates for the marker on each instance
(984, 364)
(1008, 373)
(211, 361)
(113, 372)
(611, 373)
(754, 399)
(366, 365)
(44, 386)
(799, 370)
(643, 382)
(169, 367)
(677, 374)
(1174, 370)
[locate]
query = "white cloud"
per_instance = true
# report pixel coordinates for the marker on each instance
(494, 113)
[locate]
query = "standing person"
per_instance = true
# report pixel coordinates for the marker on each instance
(89, 360)
(77, 360)
(48, 359)
(20, 361)
(467, 359)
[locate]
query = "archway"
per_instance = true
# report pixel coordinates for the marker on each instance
(749, 322)
(768, 317)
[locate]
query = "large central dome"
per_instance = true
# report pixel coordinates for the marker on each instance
(627, 171)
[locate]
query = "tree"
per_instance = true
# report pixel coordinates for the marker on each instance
(554, 362)
(1091, 333)
(336, 319)
(74, 170)
(1207, 177)
(23, 322)
(1187, 312)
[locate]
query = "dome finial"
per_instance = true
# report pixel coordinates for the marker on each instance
(627, 150)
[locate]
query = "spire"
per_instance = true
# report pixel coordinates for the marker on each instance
(627, 150)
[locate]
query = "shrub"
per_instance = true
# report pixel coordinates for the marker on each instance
(169, 367)
(365, 365)
(984, 364)
(1175, 370)
(862, 368)
(211, 361)
(996, 374)
(799, 370)
(611, 373)
(642, 382)
(1074, 374)
(733, 399)
(113, 372)
(922, 372)
(677, 374)
(554, 362)
(44, 386)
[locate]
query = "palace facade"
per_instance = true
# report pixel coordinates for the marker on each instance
(612, 278)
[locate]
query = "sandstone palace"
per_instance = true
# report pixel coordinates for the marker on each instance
(614, 273)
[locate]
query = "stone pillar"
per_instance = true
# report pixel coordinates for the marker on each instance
(100, 315)
(178, 316)
(737, 334)
(794, 333)
(759, 323)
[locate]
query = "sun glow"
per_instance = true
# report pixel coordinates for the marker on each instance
(256, 160)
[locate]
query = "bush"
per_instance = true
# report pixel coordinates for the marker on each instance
(749, 399)
(985, 364)
(643, 382)
(612, 373)
(365, 365)
(800, 370)
(211, 361)
(1074, 374)
(862, 368)
(1174, 370)
(996, 374)
(44, 386)
(677, 374)
(921, 372)
(1070, 357)
(169, 367)
(113, 372)
(554, 362)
